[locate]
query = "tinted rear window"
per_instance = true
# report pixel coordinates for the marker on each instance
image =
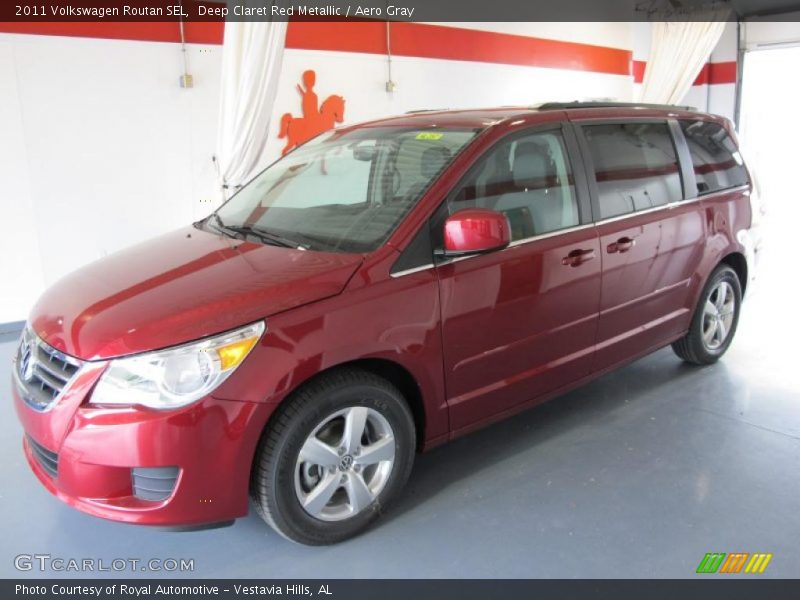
(635, 166)
(715, 157)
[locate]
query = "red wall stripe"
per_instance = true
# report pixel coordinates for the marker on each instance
(711, 73)
(408, 39)
(369, 37)
(722, 72)
(435, 41)
(197, 32)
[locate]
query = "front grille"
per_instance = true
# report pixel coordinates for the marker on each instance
(47, 460)
(41, 371)
(154, 483)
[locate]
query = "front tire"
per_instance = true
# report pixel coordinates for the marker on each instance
(715, 319)
(337, 452)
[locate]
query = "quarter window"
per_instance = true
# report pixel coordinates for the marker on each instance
(635, 166)
(715, 157)
(529, 179)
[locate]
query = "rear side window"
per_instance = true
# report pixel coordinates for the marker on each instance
(715, 157)
(635, 167)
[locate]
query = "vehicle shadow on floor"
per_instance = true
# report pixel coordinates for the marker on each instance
(637, 383)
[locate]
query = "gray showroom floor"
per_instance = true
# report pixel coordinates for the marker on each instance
(638, 474)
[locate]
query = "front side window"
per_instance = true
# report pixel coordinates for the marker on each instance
(529, 179)
(343, 191)
(715, 157)
(635, 167)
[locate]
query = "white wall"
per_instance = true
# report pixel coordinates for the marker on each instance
(101, 148)
(765, 34)
(722, 96)
(20, 259)
(105, 150)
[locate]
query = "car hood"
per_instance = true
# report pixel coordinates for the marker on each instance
(179, 287)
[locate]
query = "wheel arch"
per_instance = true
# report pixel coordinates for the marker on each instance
(391, 371)
(737, 262)
(402, 378)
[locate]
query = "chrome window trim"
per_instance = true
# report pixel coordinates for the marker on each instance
(413, 270)
(671, 205)
(646, 211)
(550, 234)
(727, 190)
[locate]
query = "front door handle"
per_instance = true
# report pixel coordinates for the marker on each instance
(577, 257)
(623, 244)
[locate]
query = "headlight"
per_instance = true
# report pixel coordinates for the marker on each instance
(176, 376)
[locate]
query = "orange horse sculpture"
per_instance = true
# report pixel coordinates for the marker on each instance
(314, 121)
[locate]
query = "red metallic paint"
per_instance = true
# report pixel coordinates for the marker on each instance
(210, 441)
(476, 230)
(477, 340)
(517, 324)
(397, 324)
(180, 287)
(647, 288)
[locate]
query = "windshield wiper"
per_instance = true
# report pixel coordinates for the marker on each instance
(265, 236)
(219, 226)
(268, 237)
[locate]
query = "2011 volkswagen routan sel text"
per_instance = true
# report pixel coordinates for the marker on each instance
(380, 290)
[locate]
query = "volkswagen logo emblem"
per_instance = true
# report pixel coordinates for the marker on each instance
(26, 363)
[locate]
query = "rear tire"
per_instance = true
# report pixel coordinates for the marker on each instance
(715, 319)
(337, 452)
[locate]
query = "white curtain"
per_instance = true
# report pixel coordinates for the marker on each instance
(678, 51)
(252, 54)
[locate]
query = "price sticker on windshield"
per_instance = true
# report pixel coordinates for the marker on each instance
(429, 135)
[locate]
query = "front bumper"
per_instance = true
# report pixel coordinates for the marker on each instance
(209, 445)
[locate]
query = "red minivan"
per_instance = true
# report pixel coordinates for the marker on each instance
(382, 289)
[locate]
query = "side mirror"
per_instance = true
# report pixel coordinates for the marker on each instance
(364, 153)
(474, 231)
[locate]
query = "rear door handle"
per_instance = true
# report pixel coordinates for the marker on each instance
(577, 257)
(623, 244)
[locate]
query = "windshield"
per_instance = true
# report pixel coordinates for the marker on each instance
(342, 191)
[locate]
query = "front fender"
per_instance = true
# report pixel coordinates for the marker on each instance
(395, 320)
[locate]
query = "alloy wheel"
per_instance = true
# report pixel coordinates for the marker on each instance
(344, 463)
(718, 315)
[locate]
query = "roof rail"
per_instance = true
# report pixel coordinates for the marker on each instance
(606, 104)
(424, 110)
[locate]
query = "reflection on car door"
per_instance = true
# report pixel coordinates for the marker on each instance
(521, 322)
(651, 241)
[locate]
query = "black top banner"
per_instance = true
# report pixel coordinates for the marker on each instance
(397, 10)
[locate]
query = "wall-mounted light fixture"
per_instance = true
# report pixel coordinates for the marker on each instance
(390, 85)
(186, 80)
